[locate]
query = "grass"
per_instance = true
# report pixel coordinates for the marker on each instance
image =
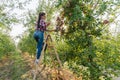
(13, 67)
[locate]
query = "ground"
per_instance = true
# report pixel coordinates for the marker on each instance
(22, 67)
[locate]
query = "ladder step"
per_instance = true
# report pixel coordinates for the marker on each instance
(52, 53)
(50, 46)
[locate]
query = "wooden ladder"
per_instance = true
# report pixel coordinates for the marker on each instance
(47, 39)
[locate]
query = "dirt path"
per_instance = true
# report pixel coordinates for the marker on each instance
(47, 73)
(22, 67)
(12, 67)
(18, 67)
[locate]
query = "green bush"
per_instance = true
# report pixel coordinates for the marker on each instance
(7, 46)
(86, 39)
(28, 44)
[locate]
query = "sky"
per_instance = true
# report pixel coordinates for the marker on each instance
(18, 29)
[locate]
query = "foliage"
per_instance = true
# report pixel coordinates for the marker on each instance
(27, 44)
(16, 67)
(87, 47)
(6, 45)
(90, 43)
(7, 15)
(19, 67)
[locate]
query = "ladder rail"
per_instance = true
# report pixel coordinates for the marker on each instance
(42, 56)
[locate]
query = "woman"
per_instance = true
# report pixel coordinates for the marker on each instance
(39, 33)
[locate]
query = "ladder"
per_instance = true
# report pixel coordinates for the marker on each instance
(46, 43)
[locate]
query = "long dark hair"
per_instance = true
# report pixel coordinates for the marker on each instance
(39, 18)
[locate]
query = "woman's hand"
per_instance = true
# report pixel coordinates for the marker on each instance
(48, 23)
(50, 30)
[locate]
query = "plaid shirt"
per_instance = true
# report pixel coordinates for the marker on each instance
(42, 26)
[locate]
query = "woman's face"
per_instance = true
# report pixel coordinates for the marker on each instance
(43, 17)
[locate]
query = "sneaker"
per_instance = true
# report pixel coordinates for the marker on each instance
(37, 61)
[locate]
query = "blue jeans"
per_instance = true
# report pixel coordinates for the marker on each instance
(39, 36)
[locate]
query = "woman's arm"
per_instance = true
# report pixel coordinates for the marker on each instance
(50, 30)
(47, 24)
